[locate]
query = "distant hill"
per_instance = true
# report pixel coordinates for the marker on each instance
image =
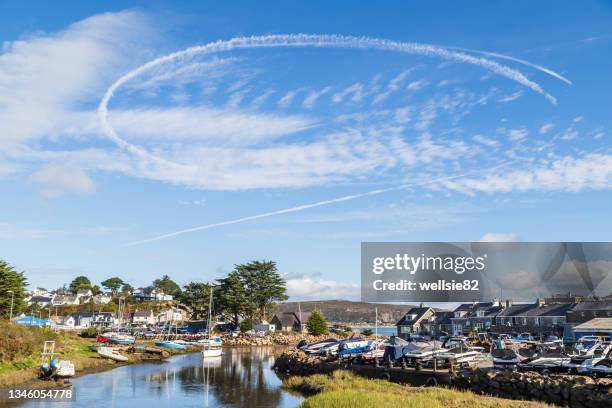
(345, 311)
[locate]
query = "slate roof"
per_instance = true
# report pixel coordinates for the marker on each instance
(40, 299)
(407, 319)
(444, 317)
(597, 305)
(549, 310)
(286, 319)
(516, 310)
(599, 323)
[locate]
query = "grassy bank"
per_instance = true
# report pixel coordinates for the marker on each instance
(344, 389)
(21, 348)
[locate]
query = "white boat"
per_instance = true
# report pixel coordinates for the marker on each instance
(211, 346)
(64, 369)
(112, 353)
(462, 355)
(350, 343)
(549, 360)
(582, 363)
(315, 347)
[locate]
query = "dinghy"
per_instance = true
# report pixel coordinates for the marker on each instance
(170, 344)
(112, 353)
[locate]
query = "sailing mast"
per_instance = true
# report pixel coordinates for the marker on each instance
(376, 325)
(301, 322)
(209, 312)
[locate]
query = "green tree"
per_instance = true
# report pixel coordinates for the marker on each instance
(367, 332)
(95, 289)
(80, 282)
(316, 323)
(167, 285)
(246, 325)
(263, 285)
(196, 296)
(112, 284)
(232, 296)
(127, 288)
(12, 288)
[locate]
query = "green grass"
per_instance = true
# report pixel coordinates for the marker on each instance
(343, 389)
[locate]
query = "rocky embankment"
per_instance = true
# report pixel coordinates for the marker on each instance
(565, 390)
(296, 362)
(276, 339)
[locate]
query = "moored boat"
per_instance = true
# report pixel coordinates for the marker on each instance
(112, 353)
(170, 344)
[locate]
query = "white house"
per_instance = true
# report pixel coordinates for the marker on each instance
(143, 317)
(68, 321)
(160, 296)
(171, 315)
(41, 301)
(40, 292)
(102, 299)
(84, 295)
(59, 300)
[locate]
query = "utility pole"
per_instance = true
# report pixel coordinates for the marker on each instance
(12, 299)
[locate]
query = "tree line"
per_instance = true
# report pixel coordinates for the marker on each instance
(250, 291)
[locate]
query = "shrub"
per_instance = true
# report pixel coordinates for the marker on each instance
(316, 323)
(90, 332)
(246, 325)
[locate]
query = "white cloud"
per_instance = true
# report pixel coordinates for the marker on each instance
(590, 172)
(517, 134)
(222, 126)
(416, 85)
(499, 237)
(312, 97)
(512, 97)
(484, 140)
(58, 179)
(355, 92)
(545, 128)
(44, 77)
(314, 287)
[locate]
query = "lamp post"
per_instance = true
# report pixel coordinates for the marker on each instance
(12, 299)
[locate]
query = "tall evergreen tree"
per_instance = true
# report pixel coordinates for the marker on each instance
(232, 296)
(80, 282)
(12, 288)
(196, 296)
(263, 284)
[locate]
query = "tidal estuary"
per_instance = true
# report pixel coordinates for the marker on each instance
(242, 377)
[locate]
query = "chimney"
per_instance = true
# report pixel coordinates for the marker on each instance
(422, 304)
(540, 302)
(508, 303)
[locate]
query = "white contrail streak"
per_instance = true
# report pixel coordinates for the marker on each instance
(306, 206)
(514, 59)
(310, 40)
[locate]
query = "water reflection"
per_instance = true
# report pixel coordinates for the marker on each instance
(240, 378)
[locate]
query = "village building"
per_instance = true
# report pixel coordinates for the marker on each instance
(599, 326)
(172, 315)
(88, 319)
(477, 316)
(40, 301)
(290, 321)
(412, 322)
(143, 318)
(102, 299)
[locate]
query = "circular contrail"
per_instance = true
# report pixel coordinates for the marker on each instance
(322, 41)
(315, 40)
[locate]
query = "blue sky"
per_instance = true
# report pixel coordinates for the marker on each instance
(465, 145)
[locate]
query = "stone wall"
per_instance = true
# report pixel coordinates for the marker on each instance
(565, 390)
